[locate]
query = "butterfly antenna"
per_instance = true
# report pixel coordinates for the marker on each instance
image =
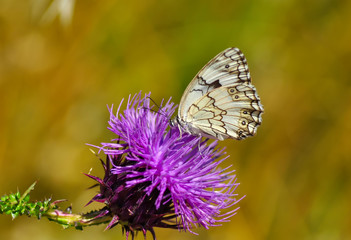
(153, 102)
(159, 108)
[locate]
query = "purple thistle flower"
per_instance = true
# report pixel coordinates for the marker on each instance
(156, 177)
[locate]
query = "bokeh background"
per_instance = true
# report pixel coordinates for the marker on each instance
(62, 62)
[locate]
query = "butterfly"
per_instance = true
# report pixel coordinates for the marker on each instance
(220, 102)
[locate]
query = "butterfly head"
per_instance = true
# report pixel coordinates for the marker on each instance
(178, 122)
(174, 122)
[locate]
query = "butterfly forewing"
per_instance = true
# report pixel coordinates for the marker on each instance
(227, 68)
(220, 102)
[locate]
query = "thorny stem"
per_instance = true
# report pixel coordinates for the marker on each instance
(78, 221)
(17, 204)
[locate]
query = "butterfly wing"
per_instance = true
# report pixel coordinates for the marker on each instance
(226, 112)
(220, 101)
(227, 68)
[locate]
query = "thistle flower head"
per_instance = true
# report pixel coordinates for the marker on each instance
(157, 177)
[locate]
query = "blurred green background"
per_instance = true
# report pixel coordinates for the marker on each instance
(62, 62)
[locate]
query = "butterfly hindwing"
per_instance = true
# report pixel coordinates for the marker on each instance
(233, 111)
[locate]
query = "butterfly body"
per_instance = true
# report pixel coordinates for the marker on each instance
(220, 102)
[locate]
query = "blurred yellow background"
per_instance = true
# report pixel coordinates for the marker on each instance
(62, 62)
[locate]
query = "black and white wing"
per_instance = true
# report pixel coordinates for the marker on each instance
(220, 102)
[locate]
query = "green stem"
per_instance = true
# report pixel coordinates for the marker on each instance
(77, 220)
(17, 204)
